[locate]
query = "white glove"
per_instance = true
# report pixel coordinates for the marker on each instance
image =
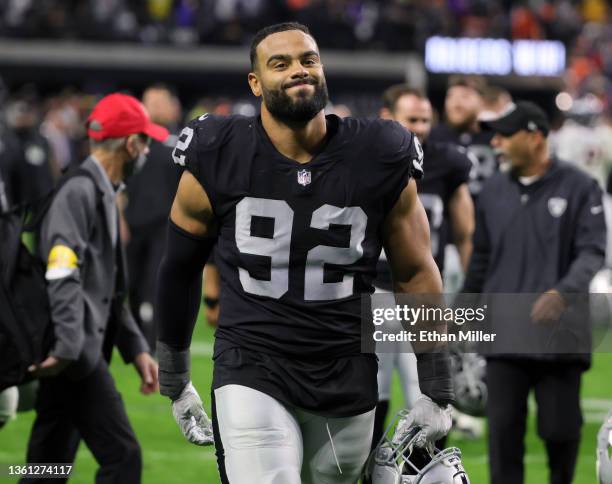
(191, 417)
(433, 420)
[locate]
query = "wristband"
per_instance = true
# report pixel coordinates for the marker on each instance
(210, 302)
(435, 377)
(174, 370)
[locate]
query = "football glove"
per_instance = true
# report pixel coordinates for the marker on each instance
(433, 420)
(189, 413)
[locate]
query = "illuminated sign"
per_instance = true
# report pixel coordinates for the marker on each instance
(494, 56)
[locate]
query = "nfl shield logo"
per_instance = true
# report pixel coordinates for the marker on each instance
(557, 206)
(304, 177)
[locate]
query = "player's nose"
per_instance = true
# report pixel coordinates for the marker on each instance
(299, 71)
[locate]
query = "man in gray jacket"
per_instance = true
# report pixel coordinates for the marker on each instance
(86, 285)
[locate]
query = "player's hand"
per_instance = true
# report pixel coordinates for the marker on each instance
(211, 311)
(548, 307)
(605, 432)
(189, 413)
(51, 366)
(147, 369)
(433, 420)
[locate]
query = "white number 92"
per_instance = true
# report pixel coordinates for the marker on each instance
(277, 248)
(178, 153)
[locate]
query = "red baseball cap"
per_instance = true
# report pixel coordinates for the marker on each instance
(118, 115)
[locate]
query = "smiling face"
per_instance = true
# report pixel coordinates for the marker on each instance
(288, 75)
(414, 113)
(462, 106)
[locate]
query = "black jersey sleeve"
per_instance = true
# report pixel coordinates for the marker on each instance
(401, 156)
(459, 166)
(198, 146)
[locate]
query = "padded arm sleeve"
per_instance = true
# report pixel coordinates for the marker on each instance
(179, 285)
(179, 289)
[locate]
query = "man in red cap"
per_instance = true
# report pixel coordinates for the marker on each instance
(86, 280)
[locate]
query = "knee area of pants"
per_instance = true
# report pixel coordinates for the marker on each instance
(256, 437)
(328, 470)
(258, 429)
(351, 463)
(131, 452)
(558, 434)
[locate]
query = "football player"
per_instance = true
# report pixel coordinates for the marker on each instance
(300, 205)
(462, 106)
(446, 198)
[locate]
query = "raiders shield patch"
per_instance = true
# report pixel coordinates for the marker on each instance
(557, 206)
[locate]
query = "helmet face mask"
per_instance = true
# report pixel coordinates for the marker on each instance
(404, 463)
(604, 447)
(469, 373)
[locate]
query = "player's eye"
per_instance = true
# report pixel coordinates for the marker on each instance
(280, 65)
(310, 62)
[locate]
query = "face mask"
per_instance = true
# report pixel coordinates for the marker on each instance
(134, 165)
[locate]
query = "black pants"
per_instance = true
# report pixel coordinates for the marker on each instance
(559, 419)
(91, 409)
(144, 251)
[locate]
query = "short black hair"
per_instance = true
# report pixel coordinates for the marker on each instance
(393, 93)
(273, 29)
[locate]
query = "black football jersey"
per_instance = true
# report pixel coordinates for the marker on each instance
(446, 168)
(479, 151)
(298, 243)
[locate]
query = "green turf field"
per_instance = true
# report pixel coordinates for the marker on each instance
(168, 458)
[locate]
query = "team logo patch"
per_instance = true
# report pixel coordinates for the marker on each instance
(304, 177)
(417, 163)
(419, 149)
(61, 263)
(557, 206)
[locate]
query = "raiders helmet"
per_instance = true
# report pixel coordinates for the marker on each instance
(469, 371)
(604, 446)
(405, 463)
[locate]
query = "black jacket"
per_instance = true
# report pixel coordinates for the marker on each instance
(550, 234)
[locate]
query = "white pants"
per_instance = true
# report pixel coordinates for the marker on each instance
(405, 362)
(406, 365)
(9, 400)
(265, 442)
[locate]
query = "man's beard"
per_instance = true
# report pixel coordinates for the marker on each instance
(298, 111)
(465, 124)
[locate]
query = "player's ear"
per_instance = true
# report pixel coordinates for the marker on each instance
(254, 84)
(131, 144)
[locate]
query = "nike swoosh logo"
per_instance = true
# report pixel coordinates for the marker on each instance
(596, 210)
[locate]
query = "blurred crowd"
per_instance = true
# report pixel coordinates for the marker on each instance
(48, 132)
(345, 24)
(392, 25)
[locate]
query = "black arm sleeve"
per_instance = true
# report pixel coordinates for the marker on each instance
(479, 261)
(435, 379)
(179, 286)
(589, 242)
